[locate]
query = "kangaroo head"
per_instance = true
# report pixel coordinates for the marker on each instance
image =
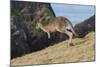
(38, 26)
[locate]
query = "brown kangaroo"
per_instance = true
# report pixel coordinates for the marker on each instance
(60, 24)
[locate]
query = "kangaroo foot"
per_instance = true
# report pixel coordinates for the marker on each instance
(71, 44)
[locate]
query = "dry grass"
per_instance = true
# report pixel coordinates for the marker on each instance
(84, 50)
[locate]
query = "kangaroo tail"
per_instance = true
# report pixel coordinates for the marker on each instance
(72, 29)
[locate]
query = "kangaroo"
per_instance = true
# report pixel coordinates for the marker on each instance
(60, 24)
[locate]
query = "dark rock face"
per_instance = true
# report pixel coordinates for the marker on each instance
(19, 45)
(85, 27)
(25, 38)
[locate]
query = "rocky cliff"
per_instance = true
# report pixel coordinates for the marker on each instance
(24, 36)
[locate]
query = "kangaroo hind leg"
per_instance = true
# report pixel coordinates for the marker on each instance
(70, 34)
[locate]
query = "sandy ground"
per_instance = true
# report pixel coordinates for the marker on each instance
(84, 50)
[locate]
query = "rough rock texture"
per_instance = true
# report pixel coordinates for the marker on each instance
(86, 26)
(24, 36)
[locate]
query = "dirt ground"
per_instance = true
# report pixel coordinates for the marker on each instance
(83, 50)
